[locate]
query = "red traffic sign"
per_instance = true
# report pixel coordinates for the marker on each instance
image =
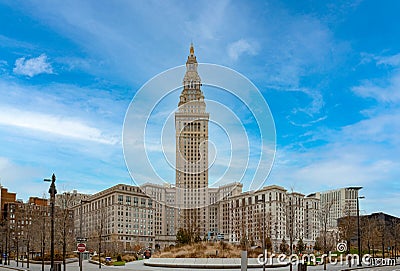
(81, 247)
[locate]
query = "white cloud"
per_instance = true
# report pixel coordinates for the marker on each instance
(53, 124)
(15, 176)
(393, 60)
(387, 91)
(364, 153)
(240, 47)
(3, 66)
(33, 66)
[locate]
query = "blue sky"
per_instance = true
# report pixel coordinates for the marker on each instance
(329, 70)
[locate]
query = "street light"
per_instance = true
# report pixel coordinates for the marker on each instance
(358, 230)
(263, 242)
(52, 192)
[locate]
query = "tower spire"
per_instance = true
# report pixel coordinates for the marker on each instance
(191, 49)
(191, 81)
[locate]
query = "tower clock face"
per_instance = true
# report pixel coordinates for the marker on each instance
(191, 67)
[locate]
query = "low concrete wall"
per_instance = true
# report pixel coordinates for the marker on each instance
(205, 263)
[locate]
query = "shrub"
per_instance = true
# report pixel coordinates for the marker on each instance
(129, 258)
(57, 257)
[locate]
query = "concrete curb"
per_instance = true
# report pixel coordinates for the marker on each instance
(12, 267)
(204, 263)
(95, 262)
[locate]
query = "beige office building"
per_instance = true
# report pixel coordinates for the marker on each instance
(122, 215)
(285, 216)
(339, 203)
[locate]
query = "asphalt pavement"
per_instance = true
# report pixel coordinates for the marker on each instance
(139, 266)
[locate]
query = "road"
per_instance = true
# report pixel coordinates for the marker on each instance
(138, 266)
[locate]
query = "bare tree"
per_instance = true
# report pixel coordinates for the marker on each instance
(369, 232)
(28, 230)
(101, 225)
(96, 235)
(39, 231)
(396, 235)
(324, 219)
(294, 223)
(17, 228)
(4, 231)
(263, 227)
(382, 233)
(290, 225)
(44, 233)
(65, 225)
(347, 226)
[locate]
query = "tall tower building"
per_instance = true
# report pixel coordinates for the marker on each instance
(191, 124)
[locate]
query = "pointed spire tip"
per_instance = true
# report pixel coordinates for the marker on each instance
(191, 48)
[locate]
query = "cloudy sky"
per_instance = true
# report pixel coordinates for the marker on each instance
(329, 70)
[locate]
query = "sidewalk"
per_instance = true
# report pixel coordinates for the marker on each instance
(206, 263)
(140, 266)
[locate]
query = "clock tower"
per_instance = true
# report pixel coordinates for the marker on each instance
(191, 126)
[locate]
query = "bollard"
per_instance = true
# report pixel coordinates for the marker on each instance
(302, 267)
(243, 261)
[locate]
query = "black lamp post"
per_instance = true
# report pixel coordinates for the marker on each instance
(52, 192)
(358, 230)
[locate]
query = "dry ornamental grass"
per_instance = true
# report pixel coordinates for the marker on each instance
(205, 250)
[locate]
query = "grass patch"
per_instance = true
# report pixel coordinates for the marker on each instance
(121, 263)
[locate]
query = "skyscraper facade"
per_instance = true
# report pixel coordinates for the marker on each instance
(191, 124)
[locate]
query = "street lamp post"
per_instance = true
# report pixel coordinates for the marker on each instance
(52, 192)
(263, 242)
(358, 230)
